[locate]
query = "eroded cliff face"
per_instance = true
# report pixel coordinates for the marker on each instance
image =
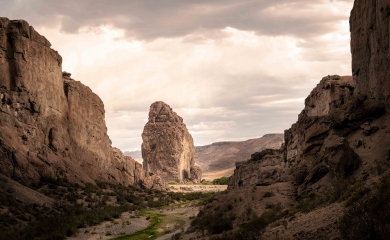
(315, 146)
(369, 26)
(168, 149)
(50, 124)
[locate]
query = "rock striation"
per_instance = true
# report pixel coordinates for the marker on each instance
(50, 124)
(168, 148)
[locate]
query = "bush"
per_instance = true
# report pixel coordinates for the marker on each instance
(215, 222)
(268, 194)
(172, 183)
(221, 181)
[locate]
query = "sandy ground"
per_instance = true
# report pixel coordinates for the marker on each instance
(197, 188)
(109, 229)
(210, 176)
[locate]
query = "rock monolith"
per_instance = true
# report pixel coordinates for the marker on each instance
(168, 149)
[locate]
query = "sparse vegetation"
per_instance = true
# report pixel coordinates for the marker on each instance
(77, 207)
(368, 217)
(253, 228)
(215, 222)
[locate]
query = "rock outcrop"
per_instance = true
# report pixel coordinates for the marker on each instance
(316, 147)
(262, 169)
(50, 124)
(136, 175)
(370, 42)
(168, 149)
(330, 90)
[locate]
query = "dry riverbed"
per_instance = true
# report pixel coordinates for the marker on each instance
(159, 224)
(168, 220)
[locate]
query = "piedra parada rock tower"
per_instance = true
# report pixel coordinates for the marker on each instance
(168, 149)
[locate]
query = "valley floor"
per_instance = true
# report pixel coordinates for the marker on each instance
(160, 223)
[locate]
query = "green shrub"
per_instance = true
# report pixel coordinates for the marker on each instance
(172, 183)
(221, 181)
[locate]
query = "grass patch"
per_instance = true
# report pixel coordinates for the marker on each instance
(149, 232)
(206, 183)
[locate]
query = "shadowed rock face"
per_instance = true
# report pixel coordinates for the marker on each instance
(370, 43)
(168, 149)
(50, 124)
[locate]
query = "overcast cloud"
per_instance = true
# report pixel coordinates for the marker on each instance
(232, 69)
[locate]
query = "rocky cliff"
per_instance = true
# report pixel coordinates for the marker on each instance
(168, 149)
(369, 26)
(50, 124)
(333, 158)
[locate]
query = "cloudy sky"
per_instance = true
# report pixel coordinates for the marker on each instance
(232, 69)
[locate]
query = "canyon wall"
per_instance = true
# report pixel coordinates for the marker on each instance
(50, 124)
(370, 31)
(339, 144)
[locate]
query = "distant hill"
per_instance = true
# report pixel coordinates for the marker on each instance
(133, 154)
(218, 159)
(136, 155)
